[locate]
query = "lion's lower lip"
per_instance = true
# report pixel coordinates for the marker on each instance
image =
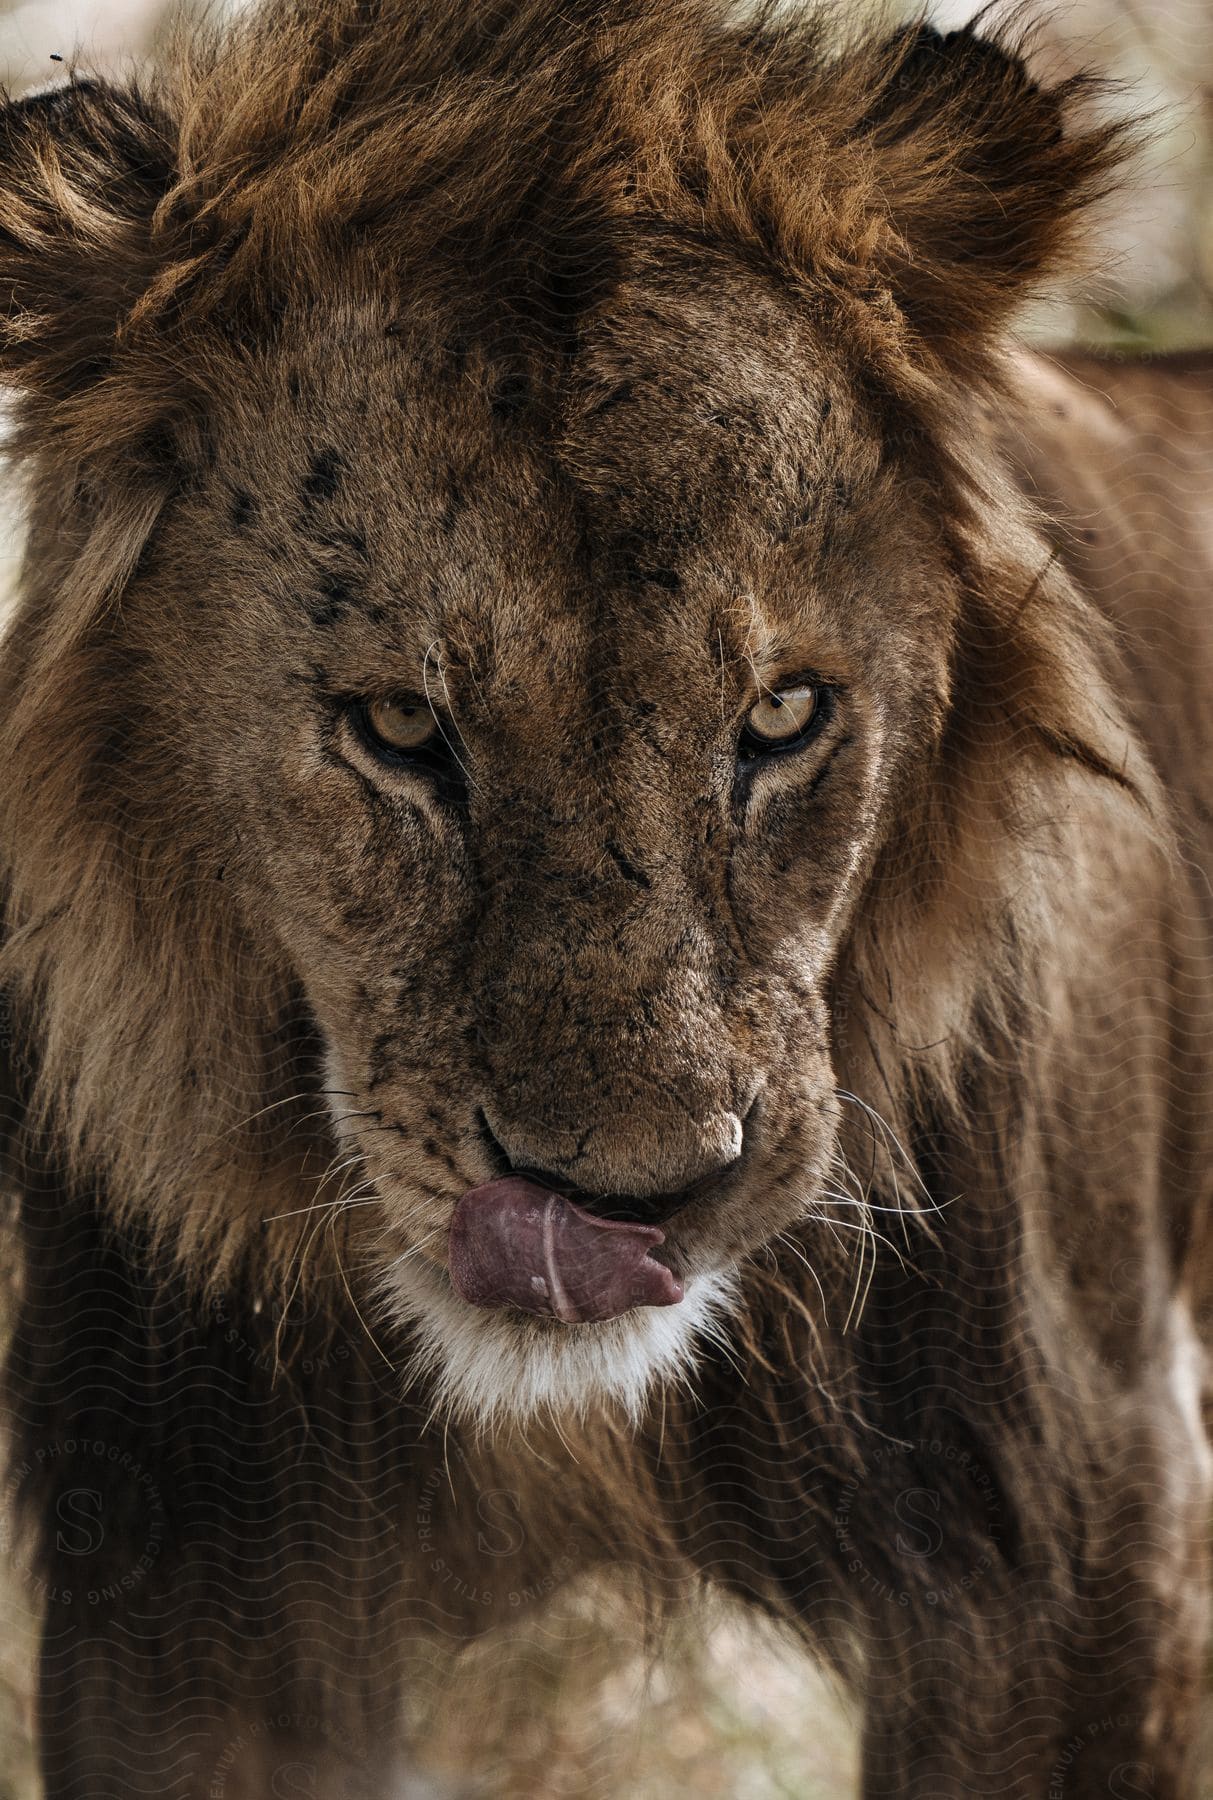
(515, 1243)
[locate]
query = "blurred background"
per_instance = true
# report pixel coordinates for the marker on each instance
(564, 1706)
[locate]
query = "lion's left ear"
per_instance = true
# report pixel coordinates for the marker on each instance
(982, 174)
(82, 169)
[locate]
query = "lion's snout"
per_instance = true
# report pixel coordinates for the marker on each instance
(615, 1077)
(631, 1162)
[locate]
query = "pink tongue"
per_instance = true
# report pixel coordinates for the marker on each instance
(514, 1243)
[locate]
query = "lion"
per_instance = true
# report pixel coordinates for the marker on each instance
(605, 847)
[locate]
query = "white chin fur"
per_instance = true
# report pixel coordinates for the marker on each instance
(493, 1369)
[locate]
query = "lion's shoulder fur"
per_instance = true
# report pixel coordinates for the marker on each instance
(1119, 453)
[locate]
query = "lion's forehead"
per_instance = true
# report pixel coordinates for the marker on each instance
(649, 522)
(692, 410)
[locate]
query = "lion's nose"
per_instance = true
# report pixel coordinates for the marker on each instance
(624, 1185)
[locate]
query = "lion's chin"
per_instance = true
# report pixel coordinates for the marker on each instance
(496, 1369)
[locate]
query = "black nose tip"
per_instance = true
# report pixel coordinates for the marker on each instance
(635, 1209)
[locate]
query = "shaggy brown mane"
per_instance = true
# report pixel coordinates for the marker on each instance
(636, 133)
(537, 345)
(819, 158)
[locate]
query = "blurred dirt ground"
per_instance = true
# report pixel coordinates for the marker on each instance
(564, 1709)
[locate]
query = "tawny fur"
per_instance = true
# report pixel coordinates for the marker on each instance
(591, 369)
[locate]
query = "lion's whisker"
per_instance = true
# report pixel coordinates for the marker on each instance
(784, 1237)
(340, 1203)
(450, 710)
(350, 1297)
(890, 1137)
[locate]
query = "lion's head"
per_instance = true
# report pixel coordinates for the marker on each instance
(522, 609)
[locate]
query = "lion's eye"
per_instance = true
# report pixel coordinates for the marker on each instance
(780, 721)
(401, 726)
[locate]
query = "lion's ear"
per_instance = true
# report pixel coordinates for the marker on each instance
(983, 174)
(82, 170)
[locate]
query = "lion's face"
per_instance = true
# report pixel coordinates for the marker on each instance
(554, 753)
(546, 735)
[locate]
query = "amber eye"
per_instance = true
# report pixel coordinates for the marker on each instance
(781, 720)
(402, 726)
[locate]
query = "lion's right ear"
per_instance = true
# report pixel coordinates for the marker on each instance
(984, 175)
(82, 170)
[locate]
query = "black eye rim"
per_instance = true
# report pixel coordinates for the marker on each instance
(752, 748)
(436, 753)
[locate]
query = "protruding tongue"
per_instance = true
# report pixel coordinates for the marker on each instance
(514, 1243)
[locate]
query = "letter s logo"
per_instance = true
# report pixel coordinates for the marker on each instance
(79, 1509)
(1131, 1781)
(497, 1509)
(294, 1781)
(921, 1505)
